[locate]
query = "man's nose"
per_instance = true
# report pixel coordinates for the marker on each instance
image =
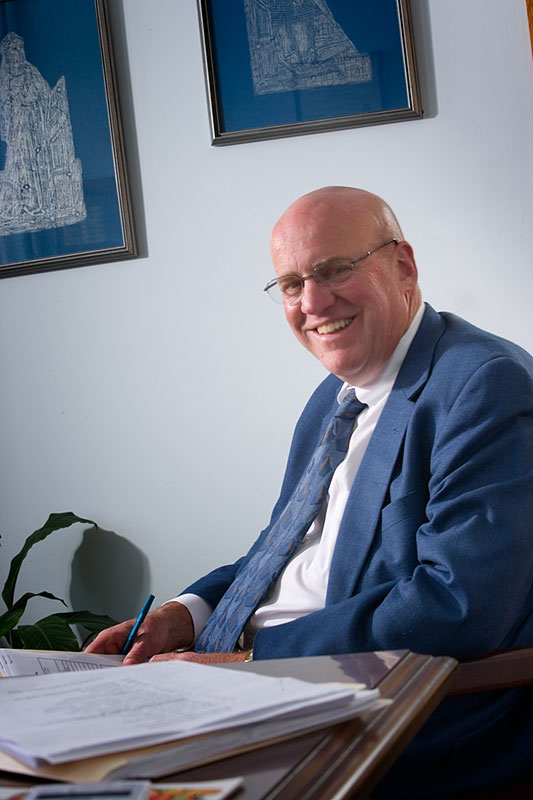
(316, 297)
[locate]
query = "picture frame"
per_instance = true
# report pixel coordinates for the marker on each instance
(64, 195)
(277, 68)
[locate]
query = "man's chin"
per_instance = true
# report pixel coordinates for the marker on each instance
(347, 370)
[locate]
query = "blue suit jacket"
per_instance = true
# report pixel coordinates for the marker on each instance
(434, 551)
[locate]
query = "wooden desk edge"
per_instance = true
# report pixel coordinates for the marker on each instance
(500, 670)
(352, 757)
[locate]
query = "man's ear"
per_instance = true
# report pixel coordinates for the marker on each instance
(406, 264)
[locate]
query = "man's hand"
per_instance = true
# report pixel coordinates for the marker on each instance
(165, 629)
(201, 658)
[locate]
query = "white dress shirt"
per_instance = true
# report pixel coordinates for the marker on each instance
(302, 585)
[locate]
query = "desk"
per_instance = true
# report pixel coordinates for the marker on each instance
(346, 760)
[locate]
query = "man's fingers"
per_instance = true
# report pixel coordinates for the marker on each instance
(165, 629)
(200, 658)
(111, 640)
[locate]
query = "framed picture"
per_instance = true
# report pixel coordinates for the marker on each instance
(64, 198)
(288, 67)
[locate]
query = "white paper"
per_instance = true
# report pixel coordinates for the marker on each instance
(186, 754)
(64, 717)
(37, 662)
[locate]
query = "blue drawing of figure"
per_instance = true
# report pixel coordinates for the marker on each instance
(41, 181)
(298, 44)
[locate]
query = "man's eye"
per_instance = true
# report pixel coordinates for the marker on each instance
(290, 286)
(336, 271)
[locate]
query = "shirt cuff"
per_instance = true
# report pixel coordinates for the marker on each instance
(197, 607)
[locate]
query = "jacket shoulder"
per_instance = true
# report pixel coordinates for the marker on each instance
(459, 333)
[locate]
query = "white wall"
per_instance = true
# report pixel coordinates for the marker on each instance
(124, 385)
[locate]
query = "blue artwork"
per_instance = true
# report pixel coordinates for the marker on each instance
(58, 188)
(300, 46)
(286, 62)
(41, 183)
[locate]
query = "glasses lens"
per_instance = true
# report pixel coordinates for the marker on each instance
(274, 292)
(287, 289)
(334, 273)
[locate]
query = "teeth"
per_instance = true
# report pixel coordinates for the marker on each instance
(334, 326)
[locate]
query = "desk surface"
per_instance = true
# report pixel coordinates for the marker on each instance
(349, 759)
(346, 760)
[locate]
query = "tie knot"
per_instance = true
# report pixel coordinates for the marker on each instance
(350, 407)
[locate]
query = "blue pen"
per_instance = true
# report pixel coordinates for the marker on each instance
(138, 622)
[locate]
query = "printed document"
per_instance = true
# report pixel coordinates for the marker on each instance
(44, 662)
(69, 716)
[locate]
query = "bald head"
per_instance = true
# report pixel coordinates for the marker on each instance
(342, 207)
(352, 328)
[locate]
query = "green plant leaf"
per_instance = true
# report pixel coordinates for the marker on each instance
(54, 522)
(14, 639)
(9, 619)
(50, 633)
(92, 622)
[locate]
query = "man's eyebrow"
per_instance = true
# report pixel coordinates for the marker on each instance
(332, 258)
(316, 264)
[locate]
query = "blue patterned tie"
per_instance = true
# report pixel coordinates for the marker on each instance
(225, 624)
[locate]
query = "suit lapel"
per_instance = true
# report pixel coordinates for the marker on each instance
(371, 484)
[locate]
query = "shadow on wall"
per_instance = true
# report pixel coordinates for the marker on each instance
(109, 575)
(423, 38)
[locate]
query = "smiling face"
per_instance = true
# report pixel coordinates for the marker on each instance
(353, 330)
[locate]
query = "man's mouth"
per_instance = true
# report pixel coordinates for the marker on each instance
(330, 327)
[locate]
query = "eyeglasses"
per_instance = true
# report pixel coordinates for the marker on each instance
(289, 289)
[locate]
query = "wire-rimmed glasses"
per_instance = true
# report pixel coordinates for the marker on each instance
(335, 273)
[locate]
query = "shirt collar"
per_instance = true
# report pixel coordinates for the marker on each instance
(374, 391)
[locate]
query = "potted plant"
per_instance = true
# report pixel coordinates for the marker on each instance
(54, 632)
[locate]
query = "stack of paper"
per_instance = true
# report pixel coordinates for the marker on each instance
(44, 662)
(204, 712)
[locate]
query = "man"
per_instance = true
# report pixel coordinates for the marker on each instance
(422, 541)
